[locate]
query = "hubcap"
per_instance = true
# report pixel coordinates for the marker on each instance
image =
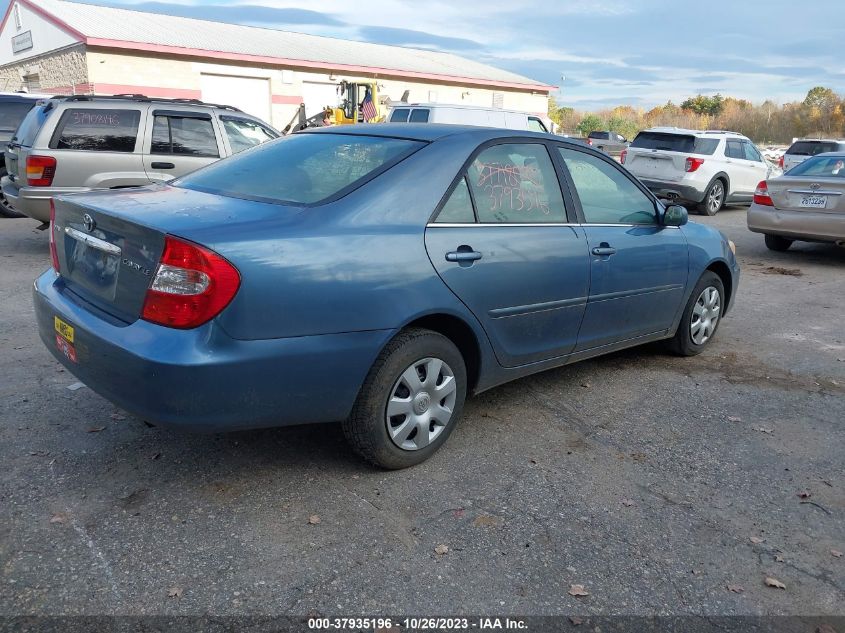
(705, 315)
(714, 200)
(421, 404)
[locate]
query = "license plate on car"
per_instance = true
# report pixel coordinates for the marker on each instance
(813, 202)
(65, 330)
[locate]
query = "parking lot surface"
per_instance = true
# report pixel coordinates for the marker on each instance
(662, 485)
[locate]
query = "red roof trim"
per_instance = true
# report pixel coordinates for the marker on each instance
(198, 52)
(47, 16)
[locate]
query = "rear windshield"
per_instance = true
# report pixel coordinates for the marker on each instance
(11, 114)
(30, 125)
(302, 168)
(600, 135)
(833, 166)
(686, 143)
(811, 148)
(97, 130)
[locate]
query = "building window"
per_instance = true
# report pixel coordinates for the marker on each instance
(17, 12)
(498, 99)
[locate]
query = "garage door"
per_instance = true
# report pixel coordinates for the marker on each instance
(246, 93)
(317, 96)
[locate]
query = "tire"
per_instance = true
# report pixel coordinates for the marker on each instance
(684, 343)
(386, 441)
(714, 199)
(777, 243)
(6, 210)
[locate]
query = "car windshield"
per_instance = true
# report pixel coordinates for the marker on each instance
(811, 148)
(686, 143)
(11, 114)
(833, 166)
(302, 168)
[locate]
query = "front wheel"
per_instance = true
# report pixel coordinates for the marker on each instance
(714, 199)
(410, 402)
(777, 243)
(701, 317)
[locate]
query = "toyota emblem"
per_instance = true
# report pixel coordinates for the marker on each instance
(815, 186)
(88, 223)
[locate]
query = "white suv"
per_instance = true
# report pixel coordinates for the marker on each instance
(706, 168)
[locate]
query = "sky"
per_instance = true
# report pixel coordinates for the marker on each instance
(600, 53)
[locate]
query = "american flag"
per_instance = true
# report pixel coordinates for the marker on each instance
(368, 108)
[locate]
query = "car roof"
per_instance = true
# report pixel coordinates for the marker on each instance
(427, 132)
(22, 96)
(701, 133)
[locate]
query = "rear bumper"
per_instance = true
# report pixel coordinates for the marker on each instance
(34, 201)
(674, 189)
(798, 225)
(203, 380)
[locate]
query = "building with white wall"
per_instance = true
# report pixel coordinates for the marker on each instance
(61, 47)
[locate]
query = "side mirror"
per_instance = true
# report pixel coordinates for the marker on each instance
(675, 215)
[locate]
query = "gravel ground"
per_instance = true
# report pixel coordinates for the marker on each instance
(662, 485)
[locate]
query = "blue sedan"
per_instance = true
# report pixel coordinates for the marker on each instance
(374, 275)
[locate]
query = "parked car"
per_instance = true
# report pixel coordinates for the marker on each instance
(464, 115)
(609, 142)
(13, 108)
(806, 204)
(370, 274)
(80, 143)
(706, 169)
(803, 149)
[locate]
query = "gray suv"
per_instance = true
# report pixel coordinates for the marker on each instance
(79, 143)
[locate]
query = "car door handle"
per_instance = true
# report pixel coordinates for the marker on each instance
(162, 165)
(463, 256)
(604, 250)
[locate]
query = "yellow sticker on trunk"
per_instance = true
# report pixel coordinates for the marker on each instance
(65, 330)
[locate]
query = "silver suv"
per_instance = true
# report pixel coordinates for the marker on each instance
(705, 168)
(79, 143)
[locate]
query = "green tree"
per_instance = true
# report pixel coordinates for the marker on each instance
(701, 104)
(589, 123)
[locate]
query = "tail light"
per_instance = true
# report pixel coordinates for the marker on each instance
(623, 156)
(780, 161)
(589, 141)
(40, 170)
(53, 253)
(693, 164)
(192, 285)
(761, 195)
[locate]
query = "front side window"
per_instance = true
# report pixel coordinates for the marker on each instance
(751, 152)
(184, 136)
(99, 130)
(301, 168)
(419, 116)
(243, 133)
(458, 209)
(516, 183)
(607, 195)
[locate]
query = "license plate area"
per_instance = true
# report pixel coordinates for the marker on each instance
(92, 262)
(813, 202)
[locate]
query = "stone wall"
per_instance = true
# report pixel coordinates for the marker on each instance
(64, 71)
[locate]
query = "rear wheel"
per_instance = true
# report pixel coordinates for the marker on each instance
(777, 243)
(702, 316)
(410, 402)
(714, 199)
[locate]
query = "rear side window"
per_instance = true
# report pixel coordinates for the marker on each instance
(811, 148)
(418, 116)
(685, 143)
(400, 115)
(30, 125)
(516, 183)
(301, 168)
(185, 136)
(11, 114)
(733, 149)
(459, 206)
(97, 130)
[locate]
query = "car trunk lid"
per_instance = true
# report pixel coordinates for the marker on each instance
(820, 195)
(109, 243)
